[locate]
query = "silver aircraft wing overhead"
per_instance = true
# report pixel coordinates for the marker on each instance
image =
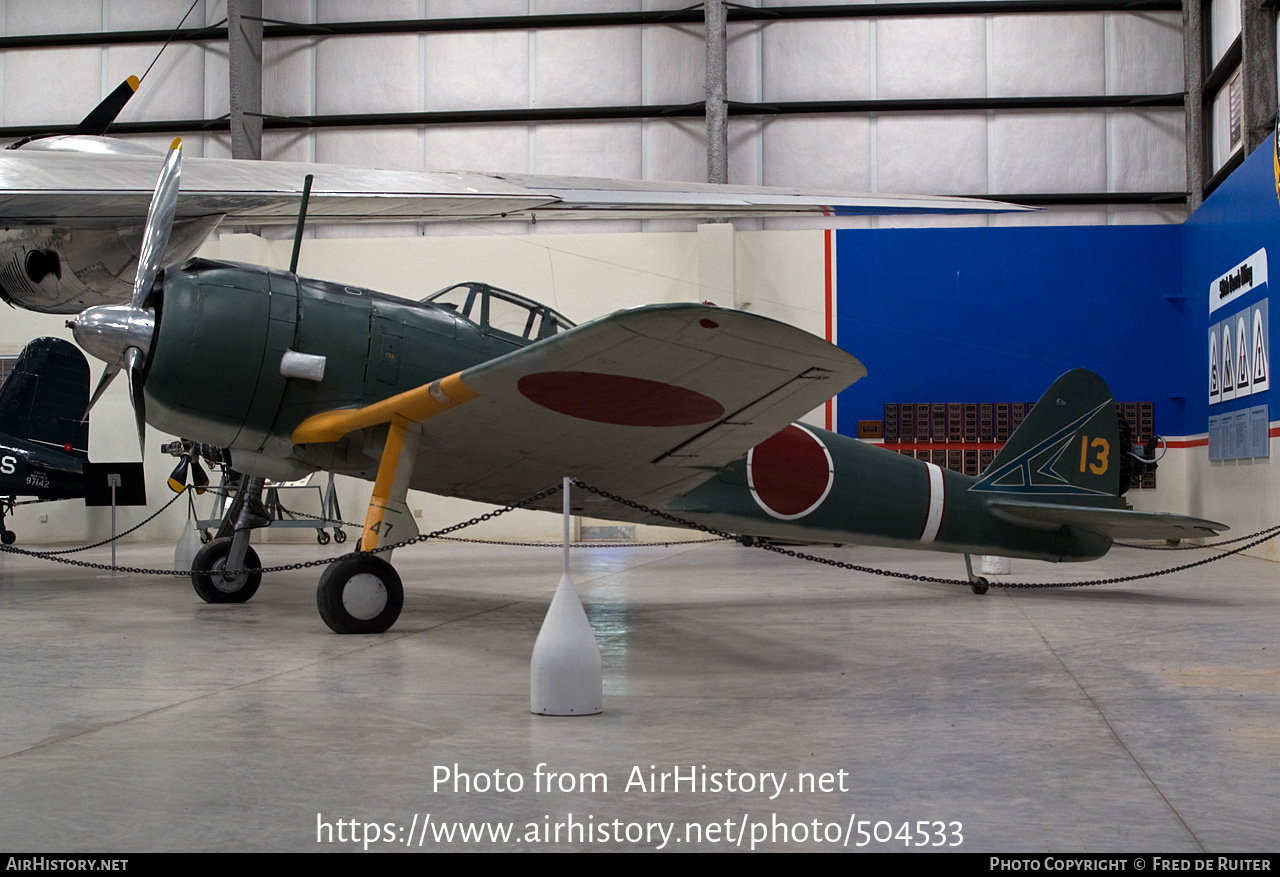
(73, 188)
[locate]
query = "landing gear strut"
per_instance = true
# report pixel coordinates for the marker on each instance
(7, 536)
(231, 550)
(977, 584)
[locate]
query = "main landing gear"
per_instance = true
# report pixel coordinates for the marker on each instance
(231, 550)
(358, 593)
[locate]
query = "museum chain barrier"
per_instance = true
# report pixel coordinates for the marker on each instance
(1247, 542)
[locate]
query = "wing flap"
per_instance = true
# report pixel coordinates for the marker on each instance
(1111, 523)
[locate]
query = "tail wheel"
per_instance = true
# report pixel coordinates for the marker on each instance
(360, 593)
(8, 537)
(213, 585)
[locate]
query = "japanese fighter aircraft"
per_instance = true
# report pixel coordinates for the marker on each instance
(44, 434)
(480, 393)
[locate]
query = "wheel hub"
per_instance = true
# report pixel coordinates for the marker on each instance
(364, 596)
(226, 583)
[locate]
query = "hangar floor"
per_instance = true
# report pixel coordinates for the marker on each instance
(1139, 717)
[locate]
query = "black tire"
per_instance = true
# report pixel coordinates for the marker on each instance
(339, 536)
(8, 537)
(205, 537)
(980, 585)
(322, 537)
(361, 593)
(215, 588)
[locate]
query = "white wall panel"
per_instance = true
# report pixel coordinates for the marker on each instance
(745, 63)
(464, 8)
(367, 74)
(674, 66)
(394, 148)
(174, 89)
(475, 71)
(365, 10)
(1148, 151)
(831, 151)
(579, 67)
(37, 17)
(51, 87)
(746, 138)
(931, 57)
(1047, 55)
(1147, 214)
(477, 147)
(944, 154)
(150, 15)
(591, 149)
(288, 77)
(1059, 215)
(817, 60)
(1145, 53)
(675, 150)
(889, 58)
(288, 145)
(1049, 152)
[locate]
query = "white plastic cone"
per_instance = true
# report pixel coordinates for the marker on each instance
(564, 674)
(188, 546)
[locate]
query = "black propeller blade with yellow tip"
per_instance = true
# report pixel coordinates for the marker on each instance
(178, 477)
(101, 117)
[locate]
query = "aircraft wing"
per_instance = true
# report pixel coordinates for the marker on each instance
(42, 184)
(646, 403)
(1111, 523)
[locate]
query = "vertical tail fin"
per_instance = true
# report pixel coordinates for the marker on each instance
(44, 398)
(1067, 448)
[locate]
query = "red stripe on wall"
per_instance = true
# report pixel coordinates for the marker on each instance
(826, 246)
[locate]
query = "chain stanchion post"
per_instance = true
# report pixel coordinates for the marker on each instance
(565, 675)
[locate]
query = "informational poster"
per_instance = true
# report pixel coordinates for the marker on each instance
(1239, 362)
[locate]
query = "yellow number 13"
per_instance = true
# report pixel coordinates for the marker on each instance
(1101, 449)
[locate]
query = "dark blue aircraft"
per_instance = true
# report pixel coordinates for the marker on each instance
(44, 431)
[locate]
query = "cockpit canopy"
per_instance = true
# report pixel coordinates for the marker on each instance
(498, 311)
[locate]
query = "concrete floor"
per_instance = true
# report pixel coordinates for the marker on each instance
(1143, 717)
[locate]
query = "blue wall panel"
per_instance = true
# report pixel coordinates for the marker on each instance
(1241, 218)
(996, 314)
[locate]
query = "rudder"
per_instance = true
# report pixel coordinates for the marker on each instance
(1068, 447)
(45, 396)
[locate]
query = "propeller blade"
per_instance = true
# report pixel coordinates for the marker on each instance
(101, 116)
(155, 238)
(178, 477)
(199, 477)
(133, 363)
(108, 375)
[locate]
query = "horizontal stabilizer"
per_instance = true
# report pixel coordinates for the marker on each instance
(1111, 523)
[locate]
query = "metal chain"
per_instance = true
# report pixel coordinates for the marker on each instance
(528, 544)
(324, 561)
(586, 544)
(721, 535)
(1270, 534)
(136, 526)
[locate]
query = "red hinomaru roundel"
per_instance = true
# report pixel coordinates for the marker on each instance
(790, 473)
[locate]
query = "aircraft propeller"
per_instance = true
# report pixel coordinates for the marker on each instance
(178, 477)
(121, 335)
(101, 116)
